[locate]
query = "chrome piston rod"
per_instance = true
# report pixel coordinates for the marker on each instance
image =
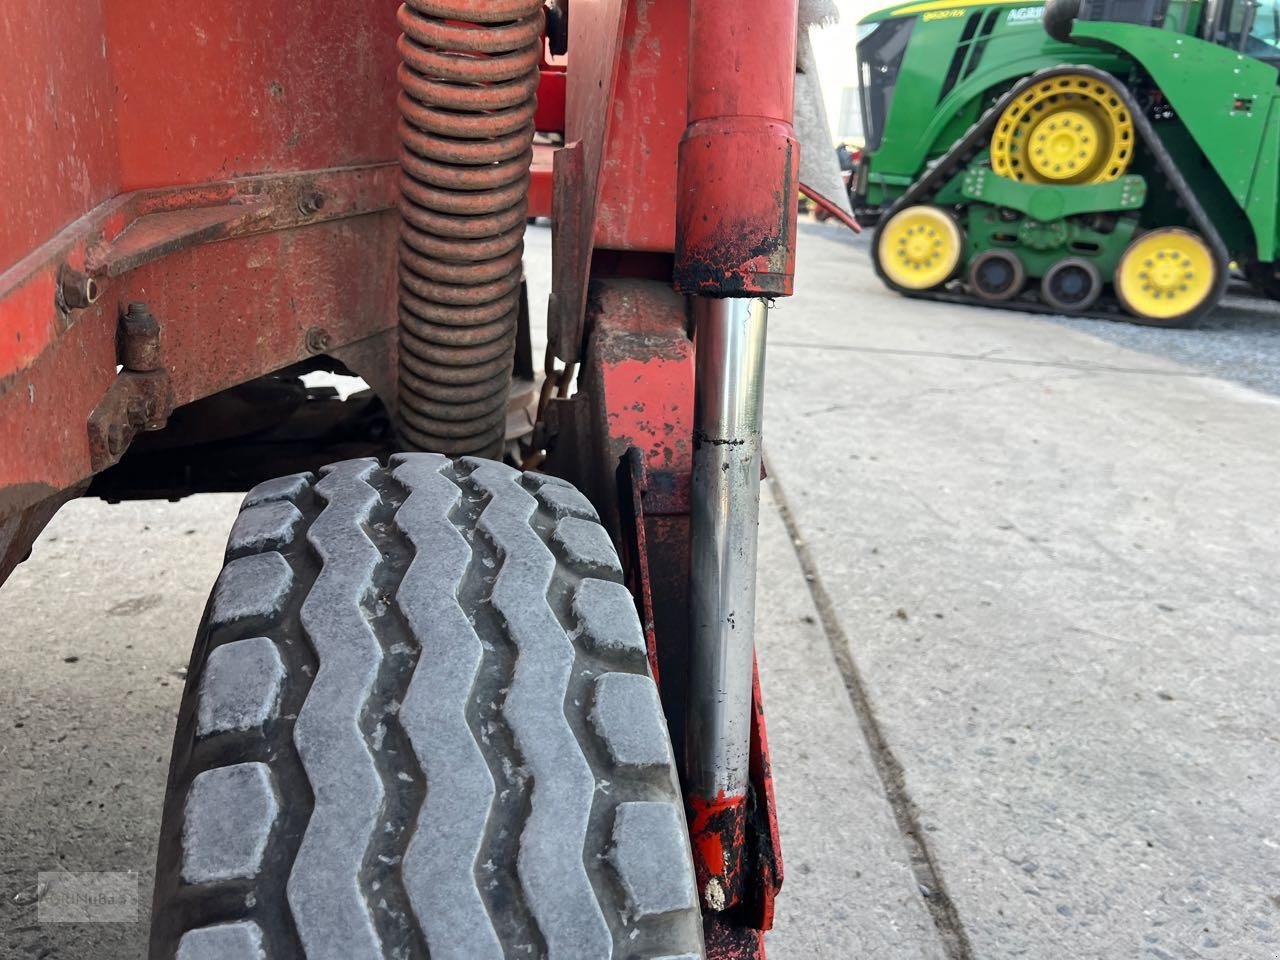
(729, 390)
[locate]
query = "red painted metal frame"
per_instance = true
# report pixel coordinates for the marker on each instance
(135, 135)
(595, 42)
(115, 96)
(228, 163)
(245, 277)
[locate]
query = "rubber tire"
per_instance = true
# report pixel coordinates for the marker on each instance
(419, 717)
(1018, 276)
(1057, 303)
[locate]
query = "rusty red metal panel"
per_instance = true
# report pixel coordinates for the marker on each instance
(638, 183)
(595, 38)
(57, 120)
(244, 277)
(134, 229)
(264, 85)
(90, 97)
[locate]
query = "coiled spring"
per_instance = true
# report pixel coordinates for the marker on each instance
(468, 77)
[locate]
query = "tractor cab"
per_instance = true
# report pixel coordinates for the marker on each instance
(1251, 27)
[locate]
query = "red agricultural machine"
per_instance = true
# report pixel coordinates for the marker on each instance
(471, 689)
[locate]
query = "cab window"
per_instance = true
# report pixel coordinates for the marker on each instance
(1249, 26)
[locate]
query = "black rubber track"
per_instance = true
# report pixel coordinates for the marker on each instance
(978, 136)
(419, 722)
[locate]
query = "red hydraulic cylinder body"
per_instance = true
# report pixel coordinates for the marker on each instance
(739, 163)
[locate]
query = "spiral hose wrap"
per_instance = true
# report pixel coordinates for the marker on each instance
(469, 78)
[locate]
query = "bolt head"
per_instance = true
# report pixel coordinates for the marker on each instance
(317, 340)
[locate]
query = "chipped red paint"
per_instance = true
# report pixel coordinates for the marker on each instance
(719, 830)
(733, 242)
(739, 160)
(767, 869)
(636, 385)
(649, 413)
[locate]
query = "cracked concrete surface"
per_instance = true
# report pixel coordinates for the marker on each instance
(1038, 631)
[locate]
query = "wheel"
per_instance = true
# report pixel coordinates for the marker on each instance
(1072, 285)
(1166, 276)
(919, 247)
(1067, 129)
(996, 275)
(419, 719)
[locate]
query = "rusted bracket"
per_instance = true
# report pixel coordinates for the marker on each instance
(42, 295)
(140, 397)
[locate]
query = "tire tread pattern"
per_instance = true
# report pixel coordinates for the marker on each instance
(445, 791)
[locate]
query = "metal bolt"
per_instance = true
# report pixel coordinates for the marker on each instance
(317, 340)
(78, 290)
(139, 339)
(310, 203)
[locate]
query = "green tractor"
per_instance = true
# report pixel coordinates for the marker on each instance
(1101, 157)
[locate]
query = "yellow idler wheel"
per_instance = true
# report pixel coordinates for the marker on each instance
(1068, 129)
(919, 247)
(1166, 275)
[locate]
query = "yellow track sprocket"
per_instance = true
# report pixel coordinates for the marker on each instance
(1068, 129)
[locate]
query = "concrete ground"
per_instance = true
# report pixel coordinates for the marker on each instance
(1017, 637)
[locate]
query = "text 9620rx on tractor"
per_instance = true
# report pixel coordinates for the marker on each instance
(1108, 157)
(441, 702)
